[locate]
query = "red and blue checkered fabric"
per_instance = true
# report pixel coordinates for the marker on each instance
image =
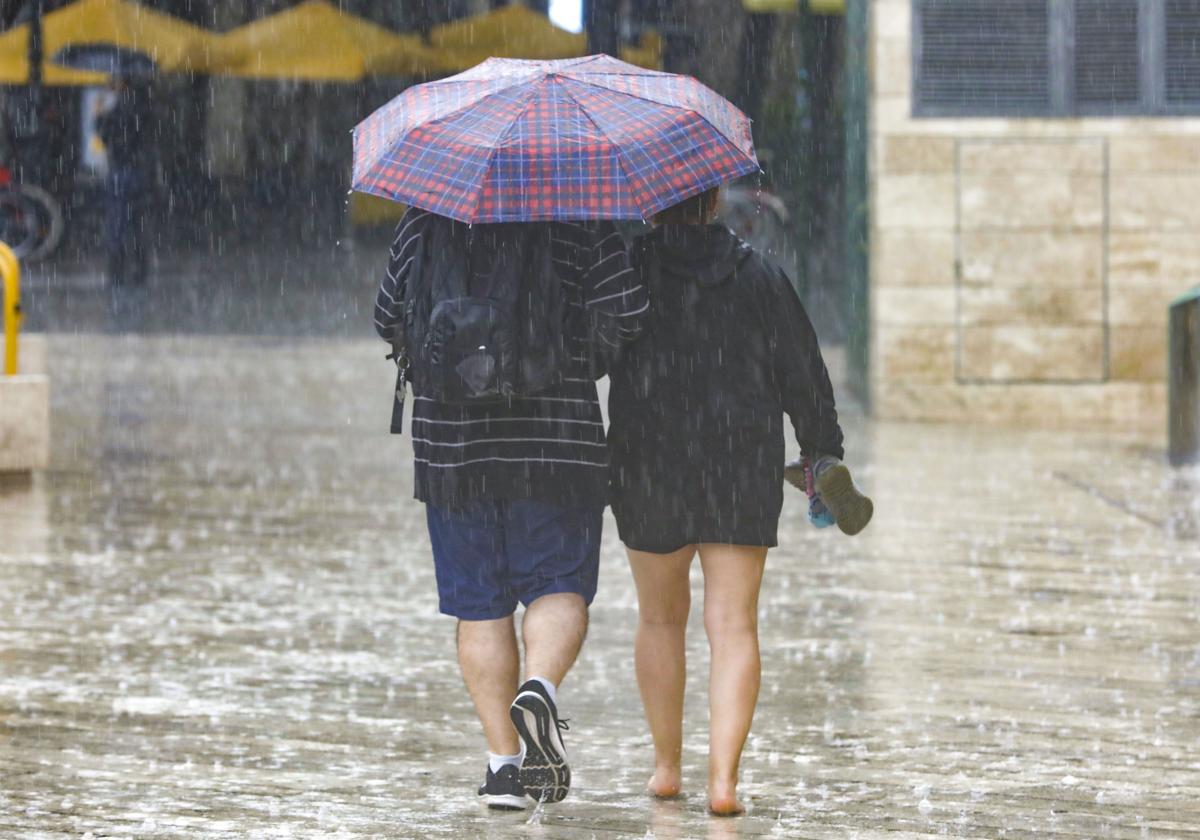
(524, 141)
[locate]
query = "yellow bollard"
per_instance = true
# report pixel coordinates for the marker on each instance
(10, 267)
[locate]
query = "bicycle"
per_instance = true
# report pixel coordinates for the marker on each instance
(31, 219)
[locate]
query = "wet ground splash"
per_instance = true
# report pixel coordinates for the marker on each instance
(217, 619)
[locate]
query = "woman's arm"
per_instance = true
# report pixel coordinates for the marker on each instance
(805, 389)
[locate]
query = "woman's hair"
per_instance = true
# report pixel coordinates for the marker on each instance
(700, 209)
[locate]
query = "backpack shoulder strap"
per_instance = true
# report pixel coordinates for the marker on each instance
(539, 253)
(644, 258)
(496, 262)
(461, 240)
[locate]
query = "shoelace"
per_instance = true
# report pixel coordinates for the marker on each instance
(563, 725)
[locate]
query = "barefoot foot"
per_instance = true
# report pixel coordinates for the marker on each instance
(665, 783)
(723, 800)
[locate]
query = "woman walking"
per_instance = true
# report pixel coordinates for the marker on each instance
(697, 467)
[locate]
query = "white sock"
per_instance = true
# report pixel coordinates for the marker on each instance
(495, 762)
(551, 689)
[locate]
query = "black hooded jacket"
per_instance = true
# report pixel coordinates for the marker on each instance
(696, 405)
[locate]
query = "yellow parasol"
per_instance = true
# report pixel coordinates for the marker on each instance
(175, 45)
(317, 42)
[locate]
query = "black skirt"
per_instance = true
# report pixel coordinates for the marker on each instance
(661, 508)
(664, 536)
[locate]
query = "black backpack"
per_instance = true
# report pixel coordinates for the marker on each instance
(484, 313)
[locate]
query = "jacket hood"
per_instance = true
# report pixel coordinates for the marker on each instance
(705, 254)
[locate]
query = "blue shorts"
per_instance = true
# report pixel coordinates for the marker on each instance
(491, 554)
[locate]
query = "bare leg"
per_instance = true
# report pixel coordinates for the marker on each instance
(490, 663)
(664, 598)
(732, 577)
(553, 628)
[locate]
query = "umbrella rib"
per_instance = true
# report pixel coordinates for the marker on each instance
(616, 147)
(662, 104)
(640, 71)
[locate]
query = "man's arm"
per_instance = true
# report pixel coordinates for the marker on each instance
(389, 303)
(613, 293)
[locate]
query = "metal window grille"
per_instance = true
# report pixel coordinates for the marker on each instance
(983, 56)
(1056, 57)
(1107, 58)
(1182, 52)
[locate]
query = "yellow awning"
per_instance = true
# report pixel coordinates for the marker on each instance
(817, 7)
(175, 45)
(14, 70)
(516, 31)
(368, 210)
(513, 31)
(315, 41)
(647, 54)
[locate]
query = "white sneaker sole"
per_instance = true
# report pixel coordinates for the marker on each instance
(506, 801)
(544, 772)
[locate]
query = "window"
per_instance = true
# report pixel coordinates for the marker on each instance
(1183, 52)
(985, 54)
(1056, 57)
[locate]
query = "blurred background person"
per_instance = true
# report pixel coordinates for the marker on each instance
(123, 127)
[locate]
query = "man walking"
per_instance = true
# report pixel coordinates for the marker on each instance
(515, 487)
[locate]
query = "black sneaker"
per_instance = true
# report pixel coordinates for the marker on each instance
(544, 772)
(503, 790)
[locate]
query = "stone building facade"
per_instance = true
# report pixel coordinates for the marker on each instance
(1021, 268)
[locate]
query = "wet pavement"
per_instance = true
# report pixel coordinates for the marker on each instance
(218, 619)
(244, 284)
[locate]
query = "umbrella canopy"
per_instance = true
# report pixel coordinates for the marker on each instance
(581, 138)
(317, 42)
(107, 59)
(173, 45)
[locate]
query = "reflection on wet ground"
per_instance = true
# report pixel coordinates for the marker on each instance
(218, 620)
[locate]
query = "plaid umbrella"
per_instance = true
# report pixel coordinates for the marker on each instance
(579, 138)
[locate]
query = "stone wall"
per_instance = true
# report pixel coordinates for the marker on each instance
(1021, 268)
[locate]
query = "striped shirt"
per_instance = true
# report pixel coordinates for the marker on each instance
(550, 447)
